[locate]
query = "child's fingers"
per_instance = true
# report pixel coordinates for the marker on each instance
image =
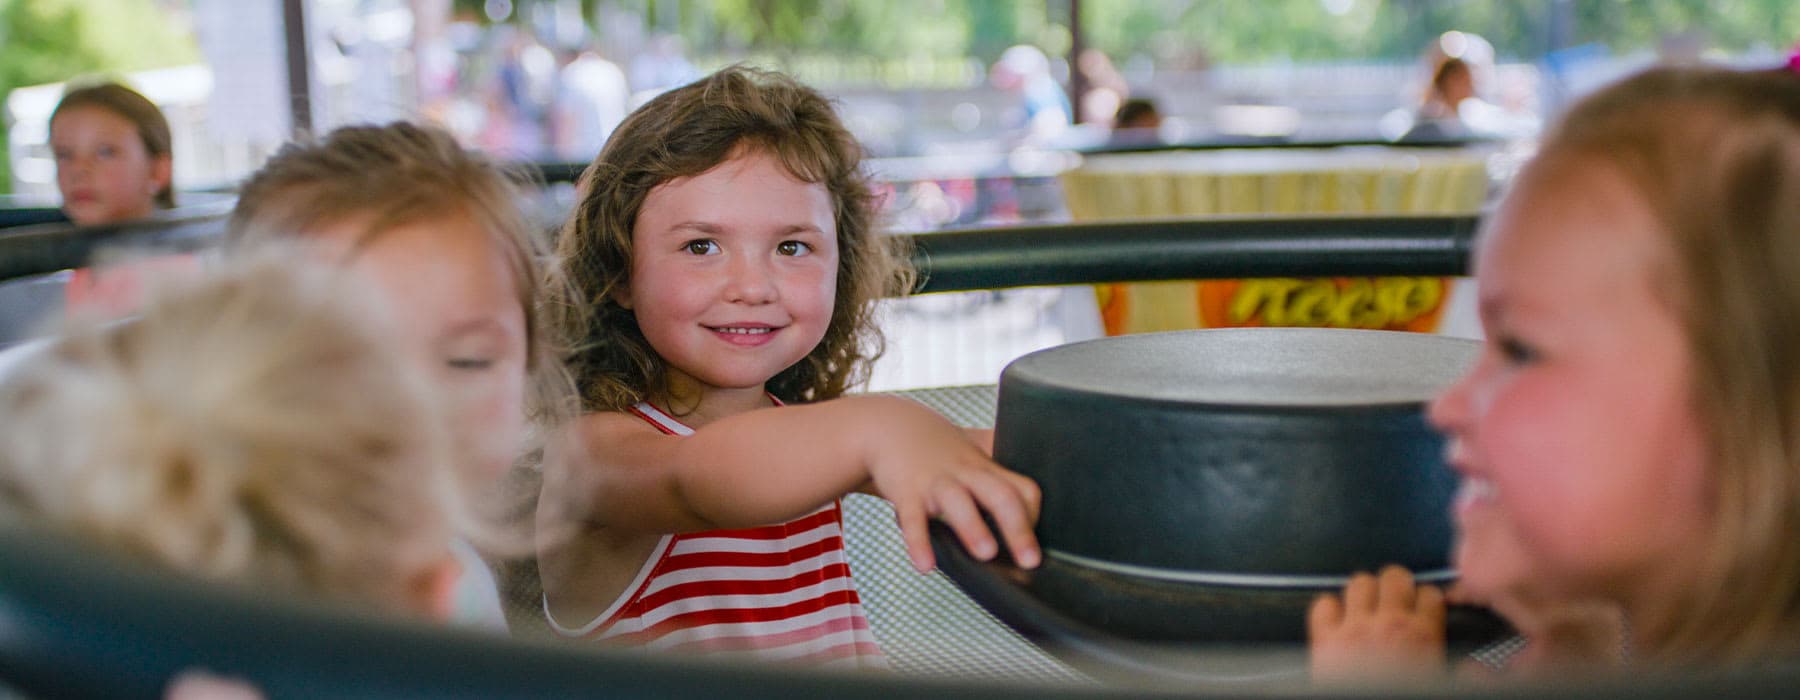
(983, 438)
(1325, 614)
(1456, 594)
(1430, 605)
(1395, 586)
(1029, 494)
(1021, 540)
(956, 507)
(1001, 500)
(915, 531)
(1471, 669)
(1359, 594)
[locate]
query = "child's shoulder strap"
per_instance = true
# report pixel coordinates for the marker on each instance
(667, 423)
(660, 420)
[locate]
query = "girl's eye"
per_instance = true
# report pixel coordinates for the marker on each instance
(106, 151)
(1517, 352)
(702, 246)
(469, 364)
(792, 248)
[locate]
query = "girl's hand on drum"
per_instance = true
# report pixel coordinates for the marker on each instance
(929, 468)
(1383, 628)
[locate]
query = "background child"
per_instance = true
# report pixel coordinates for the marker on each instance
(1628, 437)
(440, 233)
(725, 238)
(254, 428)
(114, 163)
(113, 158)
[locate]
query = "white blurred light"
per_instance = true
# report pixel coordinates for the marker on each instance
(498, 10)
(36, 171)
(966, 117)
(1256, 120)
(1454, 44)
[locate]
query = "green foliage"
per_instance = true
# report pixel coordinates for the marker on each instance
(1191, 32)
(40, 42)
(1728, 24)
(134, 35)
(1229, 31)
(46, 41)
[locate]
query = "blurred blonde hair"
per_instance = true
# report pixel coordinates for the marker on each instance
(1714, 155)
(403, 173)
(253, 426)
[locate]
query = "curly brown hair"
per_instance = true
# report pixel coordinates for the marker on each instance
(686, 132)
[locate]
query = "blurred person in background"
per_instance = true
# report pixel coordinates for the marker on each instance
(1042, 111)
(592, 97)
(661, 66)
(1137, 123)
(113, 165)
(1439, 117)
(1106, 88)
(1456, 104)
(519, 104)
(113, 155)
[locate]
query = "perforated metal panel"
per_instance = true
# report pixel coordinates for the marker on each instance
(927, 625)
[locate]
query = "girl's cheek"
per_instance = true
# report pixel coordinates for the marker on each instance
(1533, 452)
(489, 422)
(503, 413)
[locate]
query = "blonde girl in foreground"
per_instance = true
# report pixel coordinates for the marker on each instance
(1630, 438)
(442, 235)
(255, 427)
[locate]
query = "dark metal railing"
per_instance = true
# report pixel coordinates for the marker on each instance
(1176, 249)
(45, 248)
(992, 258)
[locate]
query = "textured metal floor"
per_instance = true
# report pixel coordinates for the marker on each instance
(927, 625)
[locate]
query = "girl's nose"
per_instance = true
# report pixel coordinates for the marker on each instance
(1449, 411)
(751, 282)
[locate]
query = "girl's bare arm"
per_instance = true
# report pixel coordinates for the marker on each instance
(776, 464)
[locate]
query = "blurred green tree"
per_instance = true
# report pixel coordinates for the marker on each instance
(1181, 31)
(39, 43)
(47, 41)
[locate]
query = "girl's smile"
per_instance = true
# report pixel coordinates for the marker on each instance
(1476, 492)
(750, 335)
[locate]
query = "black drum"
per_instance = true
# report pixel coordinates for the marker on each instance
(1204, 486)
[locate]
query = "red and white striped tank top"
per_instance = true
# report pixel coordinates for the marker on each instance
(775, 593)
